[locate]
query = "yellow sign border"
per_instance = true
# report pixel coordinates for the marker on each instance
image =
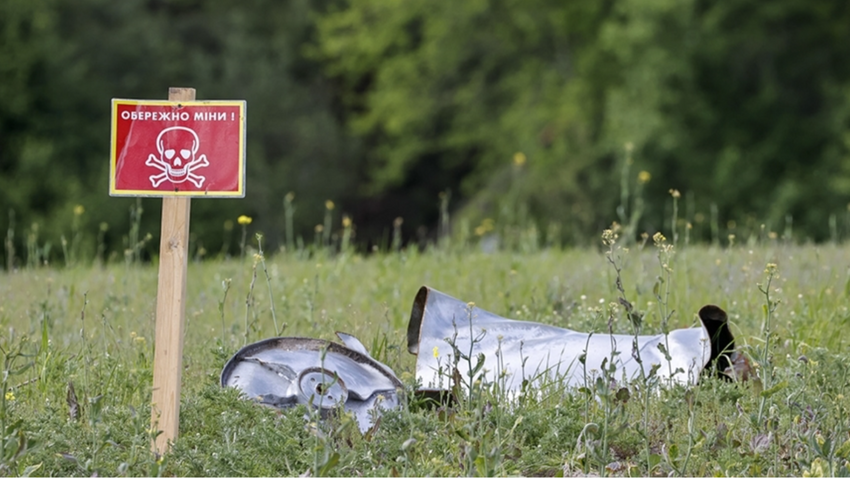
(113, 149)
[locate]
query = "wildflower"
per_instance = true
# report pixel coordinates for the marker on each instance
(436, 351)
(519, 159)
(770, 269)
(486, 226)
(615, 226)
(609, 237)
(644, 177)
(470, 304)
(675, 193)
(658, 238)
(79, 210)
(329, 205)
(319, 228)
(816, 469)
(346, 221)
(244, 220)
(10, 396)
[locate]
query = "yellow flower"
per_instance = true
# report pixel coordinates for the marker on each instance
(519, 158)
(609, 237)
(79, 210)
(816, 469)
(436, 351)
(346, 221)
(244, 220)
(675, 193)
(644, 177)
(329, 205)
(486, 226)
(10, 396)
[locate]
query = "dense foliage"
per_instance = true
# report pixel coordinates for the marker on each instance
(522, 111)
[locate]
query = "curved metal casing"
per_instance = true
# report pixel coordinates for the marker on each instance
(286, 371)
(514, 351)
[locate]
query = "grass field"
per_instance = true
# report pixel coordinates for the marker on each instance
(90, 330)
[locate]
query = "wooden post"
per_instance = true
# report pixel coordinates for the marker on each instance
(170, 310)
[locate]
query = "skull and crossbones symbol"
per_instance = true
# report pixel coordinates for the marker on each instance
(177, 146)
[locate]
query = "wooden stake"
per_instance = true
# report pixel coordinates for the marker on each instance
(170, 310)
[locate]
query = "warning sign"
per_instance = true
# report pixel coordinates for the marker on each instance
(167, 148)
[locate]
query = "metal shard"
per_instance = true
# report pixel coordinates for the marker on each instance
(446, 333)
(287, 371)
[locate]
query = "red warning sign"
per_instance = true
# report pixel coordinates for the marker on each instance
(167, 148)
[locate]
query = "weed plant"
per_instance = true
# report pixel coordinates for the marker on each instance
(77, 351)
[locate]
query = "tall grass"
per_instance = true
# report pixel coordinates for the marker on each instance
(90, 331)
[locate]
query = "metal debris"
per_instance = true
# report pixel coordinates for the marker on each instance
(287, 371)
(452, 338)
(446, 333)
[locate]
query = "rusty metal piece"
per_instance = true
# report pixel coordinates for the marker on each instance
(449, 336)
(286, 371)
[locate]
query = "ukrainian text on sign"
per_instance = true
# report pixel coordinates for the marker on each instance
(163, 148)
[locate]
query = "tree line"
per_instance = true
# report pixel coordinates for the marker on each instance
(562, 115)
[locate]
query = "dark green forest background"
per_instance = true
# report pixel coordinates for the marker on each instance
(539, 112)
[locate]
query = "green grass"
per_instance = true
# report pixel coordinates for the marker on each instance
(93, 328)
